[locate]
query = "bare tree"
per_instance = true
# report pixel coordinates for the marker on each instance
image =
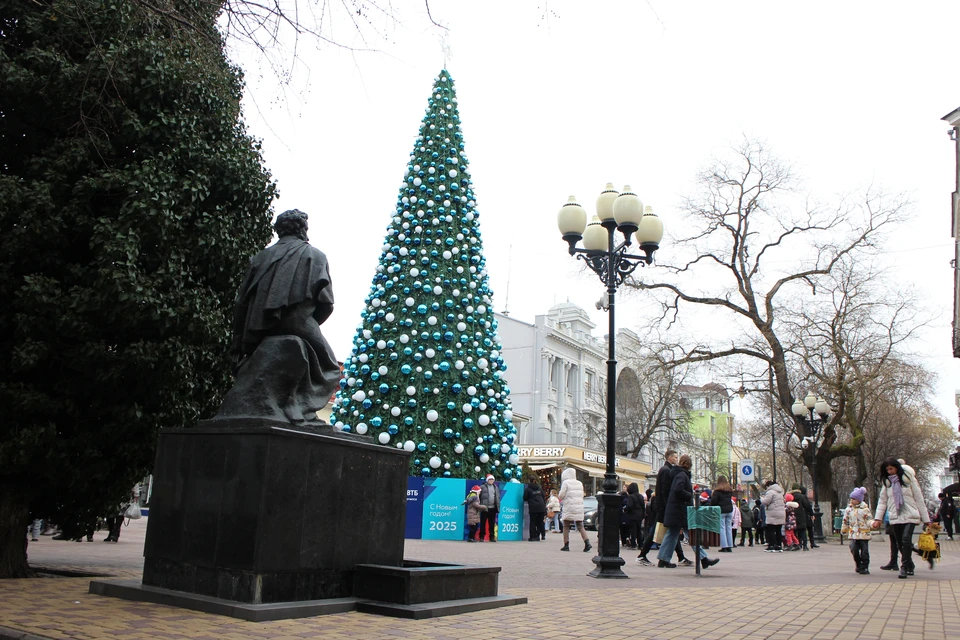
(648, 407)
(757, 246)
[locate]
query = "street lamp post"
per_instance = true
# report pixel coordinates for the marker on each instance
(742, 392)
(623, 212)
(814, 413)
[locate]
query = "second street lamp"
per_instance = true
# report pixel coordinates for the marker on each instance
(814, 413)
(623, 212)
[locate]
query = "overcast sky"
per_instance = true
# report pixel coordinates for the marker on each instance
(558, 98)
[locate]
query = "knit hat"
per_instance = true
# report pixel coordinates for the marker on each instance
(476, 488)
(788, 497)
(489, 477)
(858, 494)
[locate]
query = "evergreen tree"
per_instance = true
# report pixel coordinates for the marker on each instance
(131, 198)
(426, 372)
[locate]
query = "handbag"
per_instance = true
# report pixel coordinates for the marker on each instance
(659, 533)
(132, 511)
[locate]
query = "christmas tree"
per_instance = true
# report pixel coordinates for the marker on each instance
(426, 371)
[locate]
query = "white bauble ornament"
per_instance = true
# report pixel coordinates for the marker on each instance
(409, 445)
(458, 448)
(395, 411)
(432, 320)
(482, 363)
(361, 428)
(446, 256)
(484, 420)
(384, 438)
(471, 391)
(476, 469)
(358, 396)
(411, 390)
(432, 415)
(461, 326)
(381, 344)
(427, 431)
(467, 408)
(459, 364)
(446, 465)
(367, 334)
(514, 458)
(504, 448)
(414, 272)
(382, 370)
(404, 339)
(390, 317)
(430, 352)
(409, 302)
(435, 462)
(508, 415)
(364, 357)
(484, 458)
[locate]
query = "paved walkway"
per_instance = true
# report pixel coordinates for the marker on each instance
(750, 594)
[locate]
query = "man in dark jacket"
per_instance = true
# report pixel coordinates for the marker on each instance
(946, 513)
(537, 507)
(664, 480)
(804, 518)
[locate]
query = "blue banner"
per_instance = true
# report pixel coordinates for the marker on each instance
(510, 518)
(414, 508)
(443, 511)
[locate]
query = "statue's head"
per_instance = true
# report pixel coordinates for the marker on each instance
(291, 223)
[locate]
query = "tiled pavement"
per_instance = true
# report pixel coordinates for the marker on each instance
(750, 594)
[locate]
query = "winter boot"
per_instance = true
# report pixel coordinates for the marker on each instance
(565, 547)
(587, 546)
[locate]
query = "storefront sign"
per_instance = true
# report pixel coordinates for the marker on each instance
(541, 452)
(599, 458)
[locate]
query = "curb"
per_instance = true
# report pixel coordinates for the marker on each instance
(6, 633)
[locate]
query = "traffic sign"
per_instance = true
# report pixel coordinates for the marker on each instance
(747, 470)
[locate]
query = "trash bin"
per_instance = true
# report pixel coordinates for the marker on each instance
(837, 523)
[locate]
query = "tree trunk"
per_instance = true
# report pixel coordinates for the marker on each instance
(14, 518)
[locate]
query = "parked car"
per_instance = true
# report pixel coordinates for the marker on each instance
(590, 513)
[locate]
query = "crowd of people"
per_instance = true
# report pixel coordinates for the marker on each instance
(779, 520)
(113, 521)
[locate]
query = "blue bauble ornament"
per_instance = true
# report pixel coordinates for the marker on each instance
(365, 369)
(425, 472)
(457, 387)
(448, 433)
(427, 375)
(507, 473)
(393, 429)
(422, 446)
(407, 351)
(448, 336)
(411, 403)
(374, 376)
(376, 421)
(468, 423)
(447, 474)
(408, 421)
(406, 369)
(451, 406)
(421, 309)
(384, 388)
(367, 403)
(444, 366)
(343, 383)
(478, 449)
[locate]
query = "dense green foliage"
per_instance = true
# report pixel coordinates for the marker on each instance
(426, 372)
(131, 198)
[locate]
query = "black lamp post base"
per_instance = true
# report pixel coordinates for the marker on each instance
(608, 558)
(608, 567)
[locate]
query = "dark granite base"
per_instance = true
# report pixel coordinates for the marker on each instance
(133, 590)
(419, 582)
(256, 512)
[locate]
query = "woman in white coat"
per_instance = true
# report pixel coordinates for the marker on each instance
(571, 496)
(902, 500)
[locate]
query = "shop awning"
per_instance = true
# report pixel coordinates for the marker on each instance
(546, 465)
(595, 473)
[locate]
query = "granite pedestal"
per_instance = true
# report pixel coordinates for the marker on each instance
(261, 513)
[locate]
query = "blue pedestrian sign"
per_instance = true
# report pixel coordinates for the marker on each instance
(747, 470)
